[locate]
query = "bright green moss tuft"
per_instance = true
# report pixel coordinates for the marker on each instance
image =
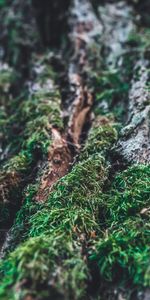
(129, 194)
(53, 236)
(53, 257)
(101, 137)
(122, 253)
(72, 204)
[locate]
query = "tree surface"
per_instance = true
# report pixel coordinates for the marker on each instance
(74, 150)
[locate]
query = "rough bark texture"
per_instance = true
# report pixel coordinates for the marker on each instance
(75, 150)
(134, 143)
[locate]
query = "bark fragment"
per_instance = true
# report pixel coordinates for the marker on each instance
(58, 164)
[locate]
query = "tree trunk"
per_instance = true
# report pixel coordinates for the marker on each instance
(75, 150)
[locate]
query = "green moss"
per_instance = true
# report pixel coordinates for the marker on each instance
(34, 141)
(101, 137)
(34, 264)
(130, 193)
(56, 233)
(32, 120)
(71, 204)
(122, 253)
(140, 39)
(111, 87)
(69, 217)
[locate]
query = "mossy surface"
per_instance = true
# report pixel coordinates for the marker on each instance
(19, 36)
(122, 254)
(28, 134)
(101, 137)
(111, 89)
(92, 232)
(60, 231)
(75, 220)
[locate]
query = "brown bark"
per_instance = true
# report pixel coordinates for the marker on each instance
(58, 164)
(84, 27)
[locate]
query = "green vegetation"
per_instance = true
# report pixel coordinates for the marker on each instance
(123, 256)
(2, 3)
(76, 219)
(93, 220)
(130, 192)
(18, 34)
(35, 262)
(31, 119)
(122, 253)
(111, 88)
(56, 233)
(140, 40)
(101, 137)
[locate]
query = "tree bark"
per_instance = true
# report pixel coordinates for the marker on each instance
(75, 150)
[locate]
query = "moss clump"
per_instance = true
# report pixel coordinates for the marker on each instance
(122, 253)
(32, 121)
(101, 137)
(129, 194)
(57, 233)
(54, 237)
(33, 265)
(123, 256)
(72, 205)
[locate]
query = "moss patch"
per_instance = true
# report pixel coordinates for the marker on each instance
(110, 88)
(28, 134)
(123, 249)
(58, 233)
